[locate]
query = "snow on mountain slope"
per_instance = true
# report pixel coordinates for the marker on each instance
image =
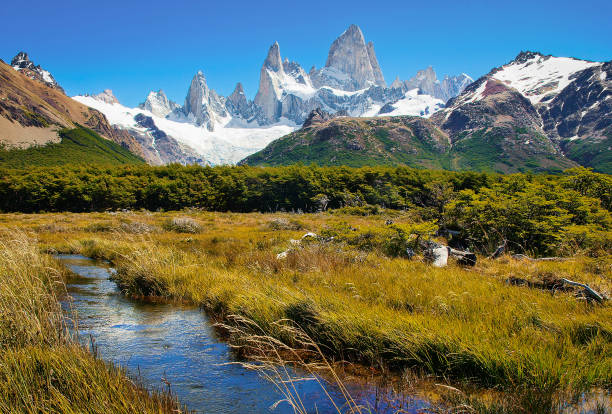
(224, 145)
(540, 77)
(414, 104)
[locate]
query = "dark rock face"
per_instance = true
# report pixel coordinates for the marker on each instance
(583, 108)
(159, 147)
(318, 116)
(22, 63)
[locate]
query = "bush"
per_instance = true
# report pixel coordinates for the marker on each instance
(182, 225)
(366, 210)
(280, 223)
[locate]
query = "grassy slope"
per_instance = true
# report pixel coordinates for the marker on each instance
(78, 146)
(465, 324)
(42, 369)
(379, 146)
(484, 151)
(478, 151)
(597, 155)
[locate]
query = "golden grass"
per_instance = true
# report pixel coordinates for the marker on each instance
(42, 369)
(462, 325)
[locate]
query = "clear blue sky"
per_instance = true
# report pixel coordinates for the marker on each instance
(136, 46)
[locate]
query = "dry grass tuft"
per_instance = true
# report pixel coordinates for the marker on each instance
(42, 368)
(183, 225)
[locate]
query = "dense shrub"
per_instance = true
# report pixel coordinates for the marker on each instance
(535, 213)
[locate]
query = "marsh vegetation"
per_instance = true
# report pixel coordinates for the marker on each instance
(354, 294)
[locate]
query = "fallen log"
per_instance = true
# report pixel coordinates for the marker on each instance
(590, 293)
(540, 259)
(463, 258)
(438, 254)
(501, 249)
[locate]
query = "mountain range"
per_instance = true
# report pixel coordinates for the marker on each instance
(212, 129)
(537, 112)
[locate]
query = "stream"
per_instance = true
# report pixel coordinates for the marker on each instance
(159, 343)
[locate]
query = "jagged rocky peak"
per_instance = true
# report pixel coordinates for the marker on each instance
(158, 104)
(526, 55)
(269, 92)
(237, 102)
(22, 63)
(426, 81)
(106, 96)
(397, 83)
(350, 56)
(378, 76)
(202, 105)
(273, 60)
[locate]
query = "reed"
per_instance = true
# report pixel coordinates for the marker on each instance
(465, 326)
(42, 367)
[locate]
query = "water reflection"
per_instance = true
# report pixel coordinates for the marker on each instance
(177, 343)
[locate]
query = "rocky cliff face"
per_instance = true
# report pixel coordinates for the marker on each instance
(22, 63)
(379, 79)
(580, 118)
(269, 93)
(158, 104)
(349, 55)
(203, 106)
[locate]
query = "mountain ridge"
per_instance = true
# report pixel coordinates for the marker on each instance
(285, 97)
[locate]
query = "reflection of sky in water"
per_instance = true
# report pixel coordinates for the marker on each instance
(178, 343)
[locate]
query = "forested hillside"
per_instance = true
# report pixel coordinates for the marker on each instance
(77, 146)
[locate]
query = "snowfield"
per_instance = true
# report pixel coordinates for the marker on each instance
(416, 105)
(227, 144)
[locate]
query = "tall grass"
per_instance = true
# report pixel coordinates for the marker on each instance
(42, 368)
(464, 326)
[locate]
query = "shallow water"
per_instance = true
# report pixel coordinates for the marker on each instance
(169, 342)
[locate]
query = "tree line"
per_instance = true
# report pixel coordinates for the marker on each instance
(533, 211)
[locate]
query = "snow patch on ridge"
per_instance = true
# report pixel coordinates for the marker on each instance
(541, 76)
(416, 104)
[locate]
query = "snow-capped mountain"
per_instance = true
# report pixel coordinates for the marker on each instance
(220, 129)
(427, 83)
(22, 63)
(158, 104)
(351, 81)
(537, 106)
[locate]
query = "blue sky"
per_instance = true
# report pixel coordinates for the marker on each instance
(136, 46)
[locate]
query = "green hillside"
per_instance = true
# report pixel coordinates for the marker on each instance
(78, 146)
(357, 142)
(415, 142)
